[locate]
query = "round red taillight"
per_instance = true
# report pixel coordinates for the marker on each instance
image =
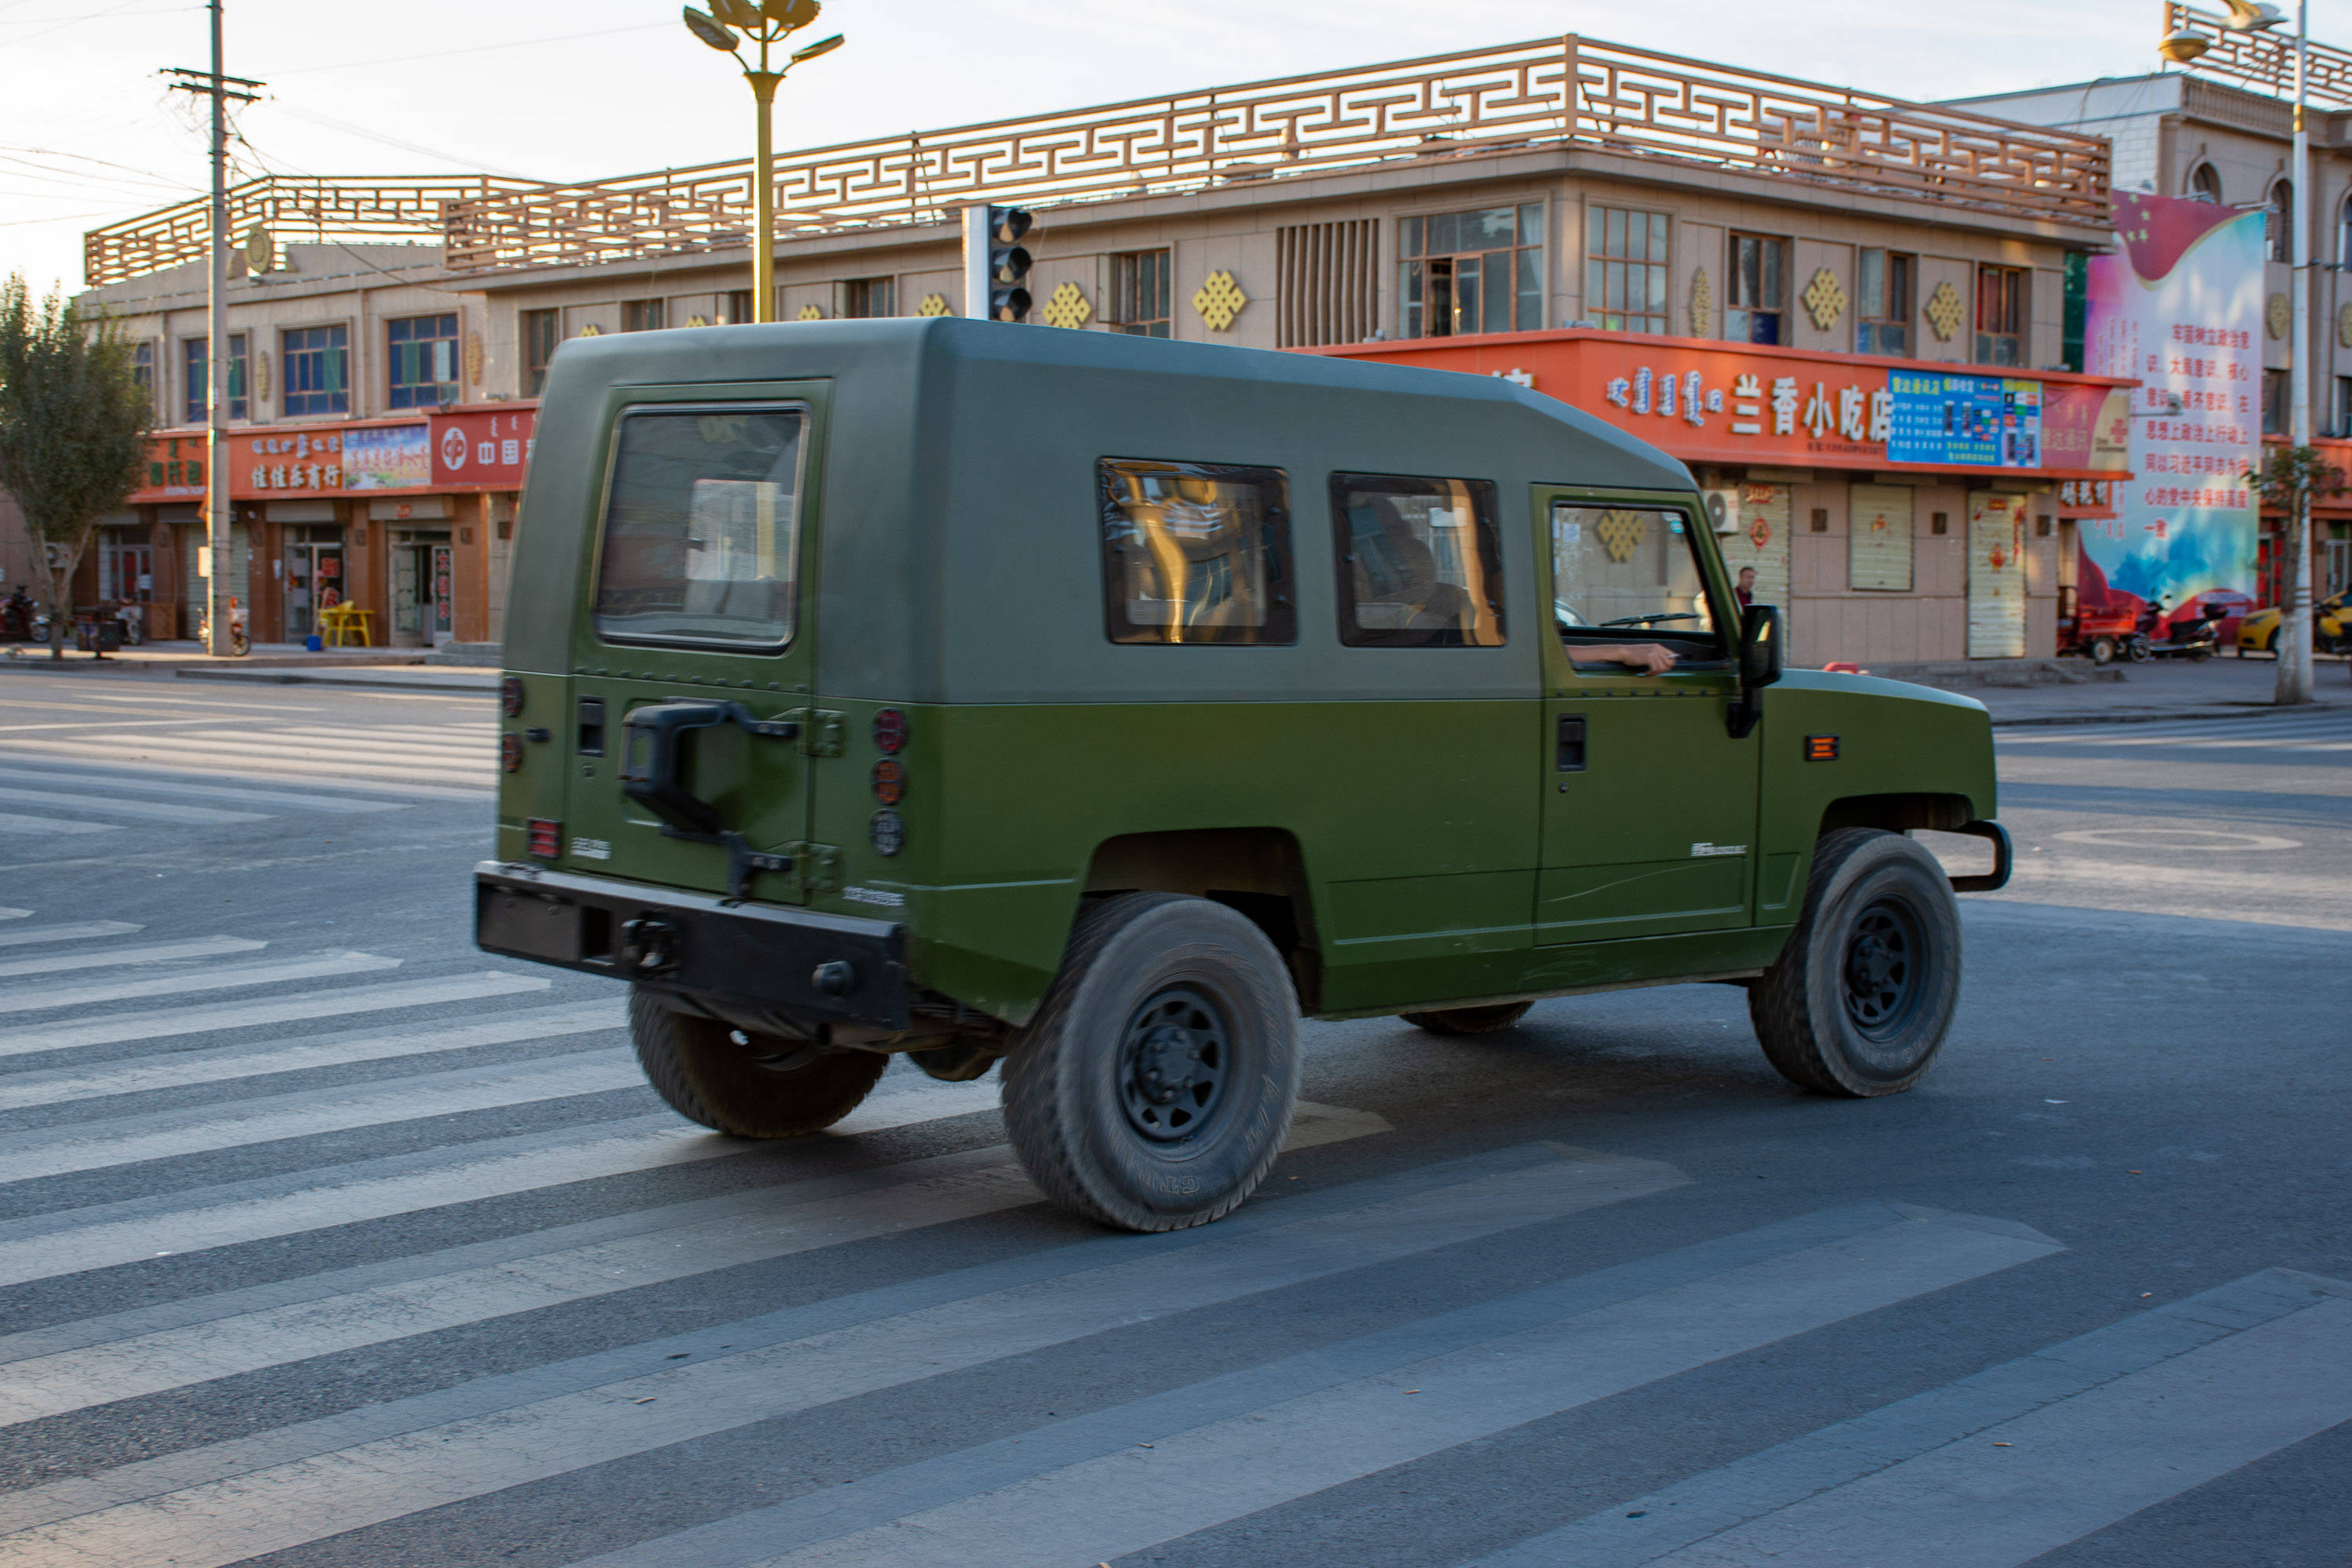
(511, 696)
(511, 753)
(890, 730)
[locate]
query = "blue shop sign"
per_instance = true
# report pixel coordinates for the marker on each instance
(1980, 421)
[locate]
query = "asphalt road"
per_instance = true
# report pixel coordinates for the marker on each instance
(327, 1239)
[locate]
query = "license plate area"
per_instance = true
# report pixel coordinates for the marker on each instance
(541, 926)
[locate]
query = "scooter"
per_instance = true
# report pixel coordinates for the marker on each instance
(239, 644)
(2196, 640)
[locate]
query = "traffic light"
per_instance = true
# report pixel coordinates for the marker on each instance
(995, 264)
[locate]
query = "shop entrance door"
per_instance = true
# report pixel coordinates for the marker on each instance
(314, 578)
(423, 608)
(126, 573)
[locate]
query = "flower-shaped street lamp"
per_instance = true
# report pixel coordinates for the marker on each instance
(727, 27)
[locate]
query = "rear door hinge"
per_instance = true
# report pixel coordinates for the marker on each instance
(820, 730)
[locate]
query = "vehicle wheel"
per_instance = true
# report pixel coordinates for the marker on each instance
(2103, 651)
(751, 1086)
(1863, 995)
(2199, 655)
(2140, 649)
(1155, 1086)
(1469, 1020)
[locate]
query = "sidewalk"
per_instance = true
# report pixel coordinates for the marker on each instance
(2223, 687)
(277, 663)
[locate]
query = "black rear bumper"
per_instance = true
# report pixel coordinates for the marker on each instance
(817, 967)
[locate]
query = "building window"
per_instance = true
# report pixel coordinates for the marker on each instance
(142, 368)
(1328, 283)
(317, 376)
(1473, 272)
(424, 355)
(2278, 221)
(1625, 270)
(863, 298)
(1760, 273)
(1883, 315)
(542, 331)
(193, 378)
(2342, 422)
(2000, 315)
(2274, 395)
(643, 316)
(1195, 554)
(2205, 184)
(1139, 293)
(734, 308)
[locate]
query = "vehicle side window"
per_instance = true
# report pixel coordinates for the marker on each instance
(1630, 575)
(702, 527)
(1421, 561)
(1195, 552)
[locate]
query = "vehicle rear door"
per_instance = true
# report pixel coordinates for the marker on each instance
(701, 591)
(1648, 802)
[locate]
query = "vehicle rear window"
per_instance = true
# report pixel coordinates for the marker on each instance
(1195, 552)
(1627, 574)
(702, 527)
(1421, 561)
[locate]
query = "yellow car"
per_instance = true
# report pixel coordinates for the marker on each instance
(2259, 631)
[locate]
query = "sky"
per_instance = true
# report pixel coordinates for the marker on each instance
(89, 134)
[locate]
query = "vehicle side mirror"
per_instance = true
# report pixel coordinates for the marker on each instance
(1761, 657)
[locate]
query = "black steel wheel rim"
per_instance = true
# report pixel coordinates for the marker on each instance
(1884, 973)
(1175, 1060)
(774, 1052)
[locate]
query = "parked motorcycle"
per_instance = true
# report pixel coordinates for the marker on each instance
(16, 617)
(239, 643)
(2195, 640)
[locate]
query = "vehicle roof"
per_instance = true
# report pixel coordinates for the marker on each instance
(957, 553)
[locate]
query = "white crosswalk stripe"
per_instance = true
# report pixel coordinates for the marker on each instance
(2321, 732)
(15, 822)
(138, 810)
(136, 781)
(451, 768)
(1987, 1471)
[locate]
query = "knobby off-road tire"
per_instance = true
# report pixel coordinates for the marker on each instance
(1155, 1086)
(1863, 995)
(709, 1076)
(1469, 1020)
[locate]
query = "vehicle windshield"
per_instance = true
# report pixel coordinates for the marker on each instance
(1624, 574)
(702, 528)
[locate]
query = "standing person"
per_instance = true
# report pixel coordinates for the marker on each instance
(1746, 587)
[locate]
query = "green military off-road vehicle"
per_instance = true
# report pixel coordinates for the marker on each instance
(1100, 705)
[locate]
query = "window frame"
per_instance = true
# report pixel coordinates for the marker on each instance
(1281, 628)
(1652, 265)
(803, 510)
(1129, 286)
(1715, 581)
(535, 363)
(2020, 282)
(1416, 275)
(735, 308)
(192, 403)
(2204, 184)
(337, 401)
(1873, 334)
(1486, 527)
(857, 298)
(1751, 311)
(395, 388)
(2278, 222)
(647, 315)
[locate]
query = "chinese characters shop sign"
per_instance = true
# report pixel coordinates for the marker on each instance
(1844, 414)
(2180, 306)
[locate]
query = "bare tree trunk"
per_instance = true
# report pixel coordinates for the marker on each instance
(2294, 674)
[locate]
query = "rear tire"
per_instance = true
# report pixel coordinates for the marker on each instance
(1862, 996)
(749, 1086)
(2102, 650)
(1469, 1020)
(1154, 1086)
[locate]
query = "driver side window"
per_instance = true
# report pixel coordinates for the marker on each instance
(1629, 574)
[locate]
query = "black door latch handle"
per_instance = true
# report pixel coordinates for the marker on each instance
(652, 767)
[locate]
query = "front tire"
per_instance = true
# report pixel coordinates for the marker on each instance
(750, 1085)
(2102, 650)
(1155, 1085)
(1862, 996)
(1469, 1020)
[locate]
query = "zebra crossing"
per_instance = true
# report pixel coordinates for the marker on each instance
(229, 1173)
(2316, 732)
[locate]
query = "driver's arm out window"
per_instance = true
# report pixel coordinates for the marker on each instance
(702, 527)
(1630, 575)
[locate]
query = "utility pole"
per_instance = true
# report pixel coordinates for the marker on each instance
(2295, 673)
(219, 547)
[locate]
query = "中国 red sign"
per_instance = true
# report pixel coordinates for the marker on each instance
(483, 449)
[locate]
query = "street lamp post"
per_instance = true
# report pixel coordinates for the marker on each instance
(766, 23)
(2294, 672)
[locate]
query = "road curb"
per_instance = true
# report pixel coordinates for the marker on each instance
(456, 682)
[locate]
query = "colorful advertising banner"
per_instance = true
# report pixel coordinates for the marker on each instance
(1974, 421)
(388, 457)
(2180, 306)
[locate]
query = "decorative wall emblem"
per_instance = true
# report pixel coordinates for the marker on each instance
(474, 357)
(261, 375)
(1621, 533)
(1702, 305)
(698, 321)
(811, 312)
(2276, 314)
(592, 331)
(2344, 326)
(1218, 300)
(1824, 301)
(1945, 311)
(933, 305)
(1067, 307)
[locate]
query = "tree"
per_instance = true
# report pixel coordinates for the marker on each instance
(2289, 481)
(73, 433)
